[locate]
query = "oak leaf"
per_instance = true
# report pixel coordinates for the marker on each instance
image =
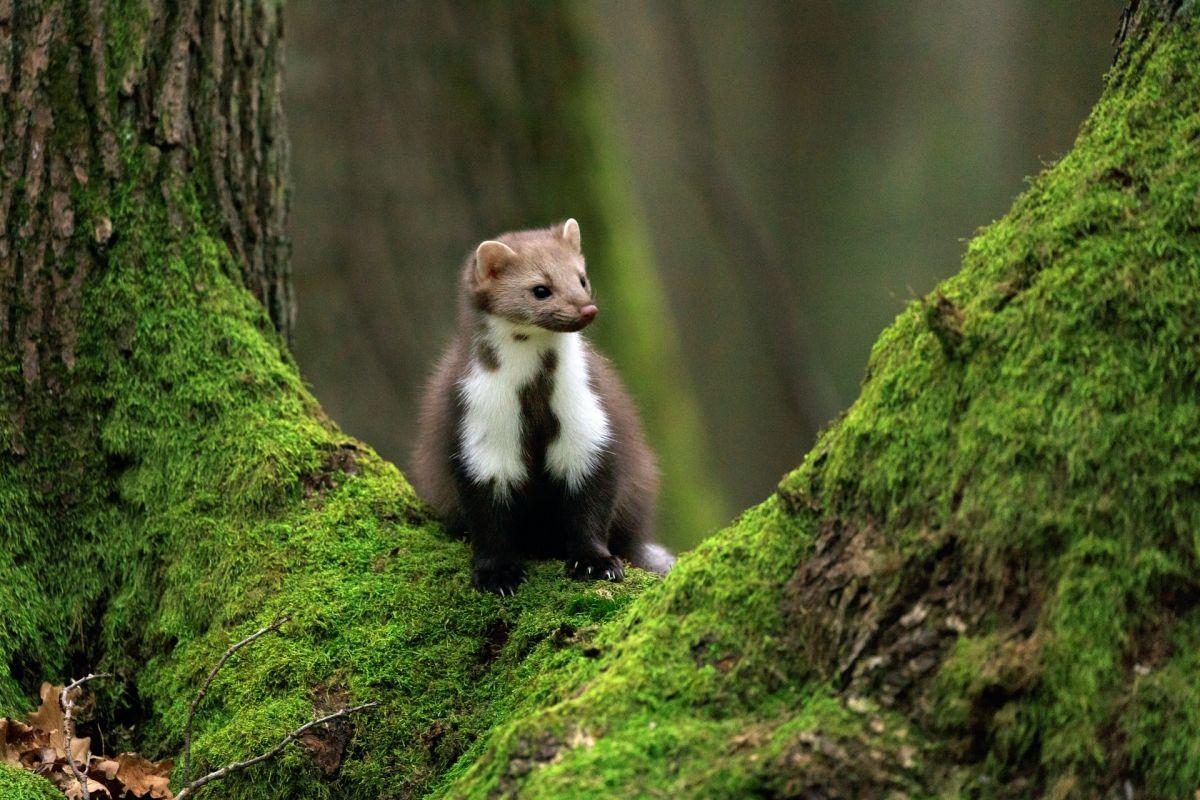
(39, 744)
(145, 778)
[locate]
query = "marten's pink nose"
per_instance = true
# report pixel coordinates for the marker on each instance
(587, 314)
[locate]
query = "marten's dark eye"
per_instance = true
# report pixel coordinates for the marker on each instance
(541, 292)
(583, 281)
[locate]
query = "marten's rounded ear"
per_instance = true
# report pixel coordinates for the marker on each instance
(570, 234)
(491, 258)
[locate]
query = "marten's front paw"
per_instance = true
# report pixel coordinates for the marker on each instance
(502, 579)
(594, 568)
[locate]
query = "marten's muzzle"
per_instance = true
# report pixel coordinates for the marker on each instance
(563, 321)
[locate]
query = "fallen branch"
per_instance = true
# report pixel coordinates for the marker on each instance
(192, 787)
(68, 707)
(229, 769)
(187, 731)
(129, 774)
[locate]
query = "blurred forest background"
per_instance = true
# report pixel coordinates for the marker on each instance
(761, 187)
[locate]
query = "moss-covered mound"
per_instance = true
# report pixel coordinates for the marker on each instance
(17, 784)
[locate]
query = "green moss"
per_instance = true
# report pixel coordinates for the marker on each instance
(126, 26)
(217, 497)
(17, 784)
(231, 480)
(679, 677)
(1163, 724)
(183, 487)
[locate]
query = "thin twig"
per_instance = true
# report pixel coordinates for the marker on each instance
(68, 707)
(187, 731)
(229, 769)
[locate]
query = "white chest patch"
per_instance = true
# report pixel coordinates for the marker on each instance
(491, 435)
(583, 425)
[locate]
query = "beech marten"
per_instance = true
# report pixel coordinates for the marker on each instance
(529, 445)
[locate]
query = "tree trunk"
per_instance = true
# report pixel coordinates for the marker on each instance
(982, 581)
(142, 168)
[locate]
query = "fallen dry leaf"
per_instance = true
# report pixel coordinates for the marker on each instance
(39, 744)
(16, 739)
(144, 778)
(49, 715)
(71, 788)
(81, 750)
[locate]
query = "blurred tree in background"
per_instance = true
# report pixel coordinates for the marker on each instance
(798, 171)
(425, 128)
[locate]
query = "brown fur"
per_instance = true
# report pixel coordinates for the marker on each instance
(542, 257)
(611, 514)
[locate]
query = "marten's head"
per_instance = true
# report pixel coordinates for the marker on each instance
(534, 278)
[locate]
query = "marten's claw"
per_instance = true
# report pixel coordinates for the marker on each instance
(501, 579)
(590, 568)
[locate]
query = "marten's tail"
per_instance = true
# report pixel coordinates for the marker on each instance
(653, 557)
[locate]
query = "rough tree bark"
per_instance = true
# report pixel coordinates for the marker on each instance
(981, 582)
(127, 130)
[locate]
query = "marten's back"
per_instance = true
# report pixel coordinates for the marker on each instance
(437, 434)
